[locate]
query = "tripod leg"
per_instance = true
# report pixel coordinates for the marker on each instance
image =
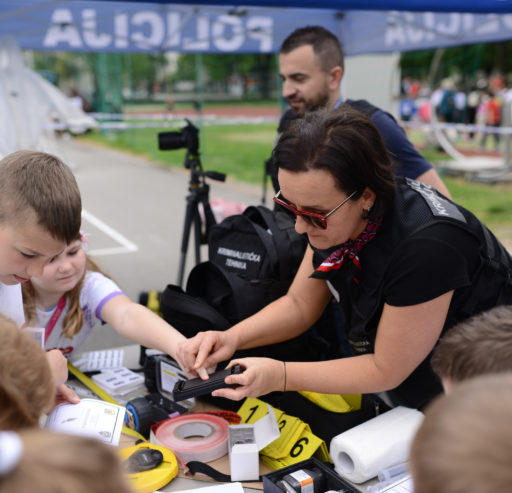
(189, 217)
(208, 215)
(197, 234)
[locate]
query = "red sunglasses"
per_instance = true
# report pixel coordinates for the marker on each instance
(314, 218)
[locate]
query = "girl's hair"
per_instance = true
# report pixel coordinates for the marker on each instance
(27, 387)
(61, 463)
(74, 318)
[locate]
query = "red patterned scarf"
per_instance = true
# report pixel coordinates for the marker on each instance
(350, 249)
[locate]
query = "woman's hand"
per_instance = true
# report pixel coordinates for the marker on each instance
(260, 376)
(205, 350)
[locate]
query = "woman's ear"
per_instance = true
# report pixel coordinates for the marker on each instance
(368, 197)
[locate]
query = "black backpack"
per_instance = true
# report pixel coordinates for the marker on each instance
(253, 258)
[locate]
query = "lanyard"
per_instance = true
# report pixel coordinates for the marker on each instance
(338, 102)
(55, 316)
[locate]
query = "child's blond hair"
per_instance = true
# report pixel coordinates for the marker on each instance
(37, 182)
(27, 388)
(62, 463)
(465, 442)
(479, 345)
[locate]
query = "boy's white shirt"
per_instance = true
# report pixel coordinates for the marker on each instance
(11, 303)
(96, 291)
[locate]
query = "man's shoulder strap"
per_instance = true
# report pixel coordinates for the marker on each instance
(363, 106)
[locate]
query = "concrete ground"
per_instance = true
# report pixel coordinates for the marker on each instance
(133, 216)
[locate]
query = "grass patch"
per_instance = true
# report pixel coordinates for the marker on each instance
(237, 150)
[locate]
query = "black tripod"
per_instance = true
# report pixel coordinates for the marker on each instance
(199, 194)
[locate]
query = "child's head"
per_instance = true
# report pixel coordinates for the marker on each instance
(465, 441)
(48, 462)
(482, 344)
(27, 388)
(64, 271)
(40, 212)
(63, 275)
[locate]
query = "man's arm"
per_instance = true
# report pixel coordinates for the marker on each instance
(431, 178)
(409, 162)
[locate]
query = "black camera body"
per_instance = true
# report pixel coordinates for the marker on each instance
(186, 138)
(161, 373)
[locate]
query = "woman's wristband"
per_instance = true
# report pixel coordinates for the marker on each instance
(284, 366)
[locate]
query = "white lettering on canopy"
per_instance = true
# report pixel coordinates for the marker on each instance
(149, 30)
(91, 37)
(62, 30)
(409, 28)
(156, 29)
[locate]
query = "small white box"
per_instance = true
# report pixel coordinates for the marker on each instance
(245, 442)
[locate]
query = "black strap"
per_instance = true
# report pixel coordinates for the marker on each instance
(279, 240)
(195, 466)
(270, 241)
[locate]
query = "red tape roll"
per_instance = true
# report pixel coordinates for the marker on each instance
(196, 436)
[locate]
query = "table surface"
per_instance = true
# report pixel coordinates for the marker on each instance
(131, 360)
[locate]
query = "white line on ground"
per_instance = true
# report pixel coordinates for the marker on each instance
(126, 245)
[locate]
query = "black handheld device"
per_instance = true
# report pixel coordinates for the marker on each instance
(195, 387)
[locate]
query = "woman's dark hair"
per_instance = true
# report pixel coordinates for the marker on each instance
(345, 143)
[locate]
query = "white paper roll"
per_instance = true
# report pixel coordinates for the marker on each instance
(361, 452)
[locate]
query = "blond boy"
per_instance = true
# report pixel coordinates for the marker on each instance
(40, 213)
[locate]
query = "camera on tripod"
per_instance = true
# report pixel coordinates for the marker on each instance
(186, 138)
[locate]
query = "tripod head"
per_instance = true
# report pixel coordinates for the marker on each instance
(188, 138)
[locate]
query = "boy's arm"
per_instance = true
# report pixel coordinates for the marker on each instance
(58, 365)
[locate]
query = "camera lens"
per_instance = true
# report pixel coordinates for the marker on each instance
(168, 141)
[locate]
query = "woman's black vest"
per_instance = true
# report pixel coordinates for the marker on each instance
(360, 293)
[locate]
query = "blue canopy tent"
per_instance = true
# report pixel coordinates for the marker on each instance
(216, 26)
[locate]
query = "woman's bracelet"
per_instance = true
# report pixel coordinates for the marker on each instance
(284, 386)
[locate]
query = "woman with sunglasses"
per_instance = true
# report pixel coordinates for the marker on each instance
(404, 262)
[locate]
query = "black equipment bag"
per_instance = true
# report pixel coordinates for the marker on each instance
(259, 252)
(254, 257)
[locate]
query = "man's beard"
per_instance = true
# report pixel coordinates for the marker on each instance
(313, 104)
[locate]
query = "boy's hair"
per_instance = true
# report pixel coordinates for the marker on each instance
(60, 463)
(39, 182)
(27, 388)
(326, 45)
(482, 344)
(465, 442)
(74, 317)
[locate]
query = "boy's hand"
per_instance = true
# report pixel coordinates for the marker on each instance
(65, 394)
(58, 365)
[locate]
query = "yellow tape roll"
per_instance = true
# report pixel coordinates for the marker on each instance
(154, 479)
